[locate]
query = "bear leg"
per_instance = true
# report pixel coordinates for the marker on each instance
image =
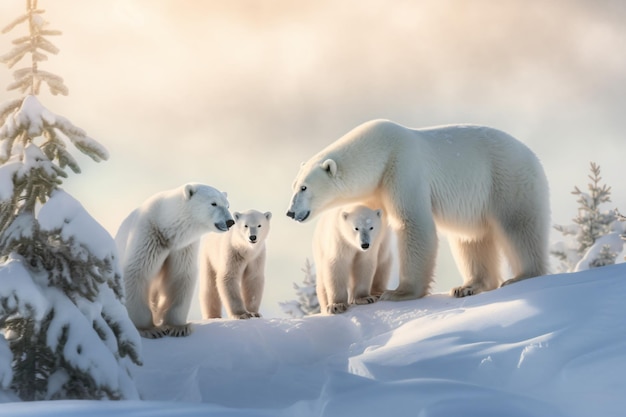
(137, 302)
(382, 274)
(479, 263)
(210, 302)
(252, 291)
(229, 287)
(322, 298)
(179, 280)
(336, 285)
(524, 239)
(145, 264)
(361, 280)
(417, 252)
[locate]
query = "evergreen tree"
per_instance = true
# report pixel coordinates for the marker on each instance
(592, 222)
(307, 302)
(589, 225)
(61, 296)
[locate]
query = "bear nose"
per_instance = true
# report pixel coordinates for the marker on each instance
(291, 214)
(252, 238)
(229, 223)
(365, 245)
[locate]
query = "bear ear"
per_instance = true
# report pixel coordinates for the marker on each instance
(268, 215)
(225, 194)
(344, 215)
(190, 190)
(330, 166)
(379, 213)
(236, 215)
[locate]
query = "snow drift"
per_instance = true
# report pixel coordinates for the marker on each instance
(553, 345)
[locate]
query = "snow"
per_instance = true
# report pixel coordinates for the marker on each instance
(21, 293)
(7, 171)
(612, 240)
(553, 345)
(64, 212)
(33, 117)
(83, 350)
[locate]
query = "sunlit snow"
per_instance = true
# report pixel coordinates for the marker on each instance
(552, 345)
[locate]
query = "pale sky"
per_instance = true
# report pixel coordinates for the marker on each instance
(236, 94)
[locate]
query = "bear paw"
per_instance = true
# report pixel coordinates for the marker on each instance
(246, 315)
(153, 332)
(337, 308)
(366, 300)
(179, 331)
(463, 291)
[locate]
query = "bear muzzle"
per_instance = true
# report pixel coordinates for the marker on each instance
(224, 226)
(298, 217)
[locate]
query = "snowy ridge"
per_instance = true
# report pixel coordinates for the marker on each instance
(552, 345)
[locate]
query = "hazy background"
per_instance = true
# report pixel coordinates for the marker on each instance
(237, 93)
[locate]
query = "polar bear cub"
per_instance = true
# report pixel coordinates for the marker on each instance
(158, 248)
(233, 267)
(352, 257)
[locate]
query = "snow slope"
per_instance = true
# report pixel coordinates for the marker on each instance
(553, 345)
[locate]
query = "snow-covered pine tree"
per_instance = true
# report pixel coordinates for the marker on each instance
(307, 302)
(65, 331)
(591, 240)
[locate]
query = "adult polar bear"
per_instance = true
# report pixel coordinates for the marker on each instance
(486, 189)
(158, 247)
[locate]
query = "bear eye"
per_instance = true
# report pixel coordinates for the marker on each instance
(303, 188)
(371, 228)
(356, 228)
(246, 226)
(259, 226)
(214, 204)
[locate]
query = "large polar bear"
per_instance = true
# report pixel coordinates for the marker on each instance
(158, 247)
(351, 248)
(232, 267)
(482, 186)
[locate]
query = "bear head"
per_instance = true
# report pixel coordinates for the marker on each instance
(252, 226)
(207, 206)
(361, 226)
(315, 189)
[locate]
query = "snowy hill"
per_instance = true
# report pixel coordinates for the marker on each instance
(554, 345)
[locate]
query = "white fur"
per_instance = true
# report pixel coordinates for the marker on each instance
(352, 257)
(482, 186)
(158, 246)
(232, 267)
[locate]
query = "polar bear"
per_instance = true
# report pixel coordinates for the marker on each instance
(351, 249)
(158, 247)
(232, 267)
(486, 189)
